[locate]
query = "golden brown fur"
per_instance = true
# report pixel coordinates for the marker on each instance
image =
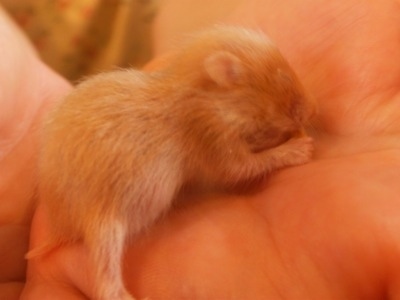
(227, 108)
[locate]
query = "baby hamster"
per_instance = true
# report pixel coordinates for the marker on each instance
(226, 108)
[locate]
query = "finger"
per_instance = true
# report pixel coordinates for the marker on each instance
(59, 274)
(11, 290)
(13, 245)
(342, 52)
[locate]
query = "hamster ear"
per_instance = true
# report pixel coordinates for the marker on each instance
(224, 68)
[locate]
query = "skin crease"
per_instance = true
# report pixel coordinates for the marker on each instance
(325, 230)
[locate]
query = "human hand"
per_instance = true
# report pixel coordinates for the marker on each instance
(27, 90)
(324, 230)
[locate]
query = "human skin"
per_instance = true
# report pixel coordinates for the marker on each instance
(325, 230)
(28, 88)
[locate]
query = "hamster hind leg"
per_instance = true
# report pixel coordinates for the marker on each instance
(106, 250)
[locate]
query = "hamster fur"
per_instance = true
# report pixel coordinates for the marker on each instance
(227, 108)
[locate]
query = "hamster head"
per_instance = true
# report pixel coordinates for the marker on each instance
(251, 86)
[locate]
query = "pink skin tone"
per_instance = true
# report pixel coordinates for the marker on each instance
(28, 89)
(325, 230)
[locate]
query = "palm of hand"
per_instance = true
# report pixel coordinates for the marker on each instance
(325, 230)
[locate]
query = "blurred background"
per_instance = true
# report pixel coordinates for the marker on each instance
(80, 37)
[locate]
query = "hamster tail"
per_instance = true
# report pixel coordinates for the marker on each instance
(42, 250)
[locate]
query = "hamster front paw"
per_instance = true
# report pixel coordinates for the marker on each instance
(295, 151)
